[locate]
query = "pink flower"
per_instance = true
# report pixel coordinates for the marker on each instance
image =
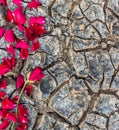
(16, 2)
(19, 81)
(10, 49)
(21, 127)
(36, 74)
(22, 110)
(28, 90)
(19, 17)
(14, 99)
(7, 104)
(21, 44)
(9, 16)
(21, 27)
(33, 4)
(9, 36)
(22, 119)
(3, 83)
(35, 45)
(3, 113)
(2, 94)
(34, 31)
(39, 20)
(11, 116)
(3, 2)
(4, 124)
(23, 54)
(7, 64)
(1, 31)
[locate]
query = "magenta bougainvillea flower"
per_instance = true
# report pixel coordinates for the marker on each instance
(2, 94)
(19, 17)
(1, 31)
(11, 116)
(4, 124)
(17, 2)
(7, 64)
(33, 4)
(34, 31)
(3, 2)
(35, 45)
(10, 49)
(36, 74)
(39, 20)
(21, 127)
(28, 90)
(3, 84)
(9, 36)
(9, 16)
(23, 54)
(22, 44)
(7, 104)
(19, 81)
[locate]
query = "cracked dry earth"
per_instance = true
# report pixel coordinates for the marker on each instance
(80, 57)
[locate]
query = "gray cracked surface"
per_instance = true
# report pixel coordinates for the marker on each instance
(80, 57)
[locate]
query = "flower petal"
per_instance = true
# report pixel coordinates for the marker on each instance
(2, 94)
(28, 90)
(39, 20)
(3, 83)
(9, 36)
(3, 69)
(19, 16)
(3, 2)
(36, 74)
(35, 46)
(10, 49)
(33, 4)
(21, 127)
(9, 16)
(1, 31)
(7, 104)
(22, 119)
(11, 116)
(4, 124)
(22, 110)
(23, 54)
(17, 2)
(19, 81)
(9, 62)
(21, 44)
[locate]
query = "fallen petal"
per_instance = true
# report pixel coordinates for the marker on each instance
(4, 124)
(17, 2)
(28, 90)
(23, 54)
(9, 16)
(19, 81)
(1, 31)
(33, 4)
(11, 116)
(9, 36)
(10, 49)
(35, 45)
(3, 84)
(19, 16)
(21, 44)
(7, 104)
(22, 110)
(2, 94)
(36, 74)
(3, 2)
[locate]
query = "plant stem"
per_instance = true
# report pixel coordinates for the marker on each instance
(27, 81)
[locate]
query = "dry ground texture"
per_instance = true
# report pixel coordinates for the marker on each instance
(79, 54)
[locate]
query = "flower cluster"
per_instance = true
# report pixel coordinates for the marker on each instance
(14, 115)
